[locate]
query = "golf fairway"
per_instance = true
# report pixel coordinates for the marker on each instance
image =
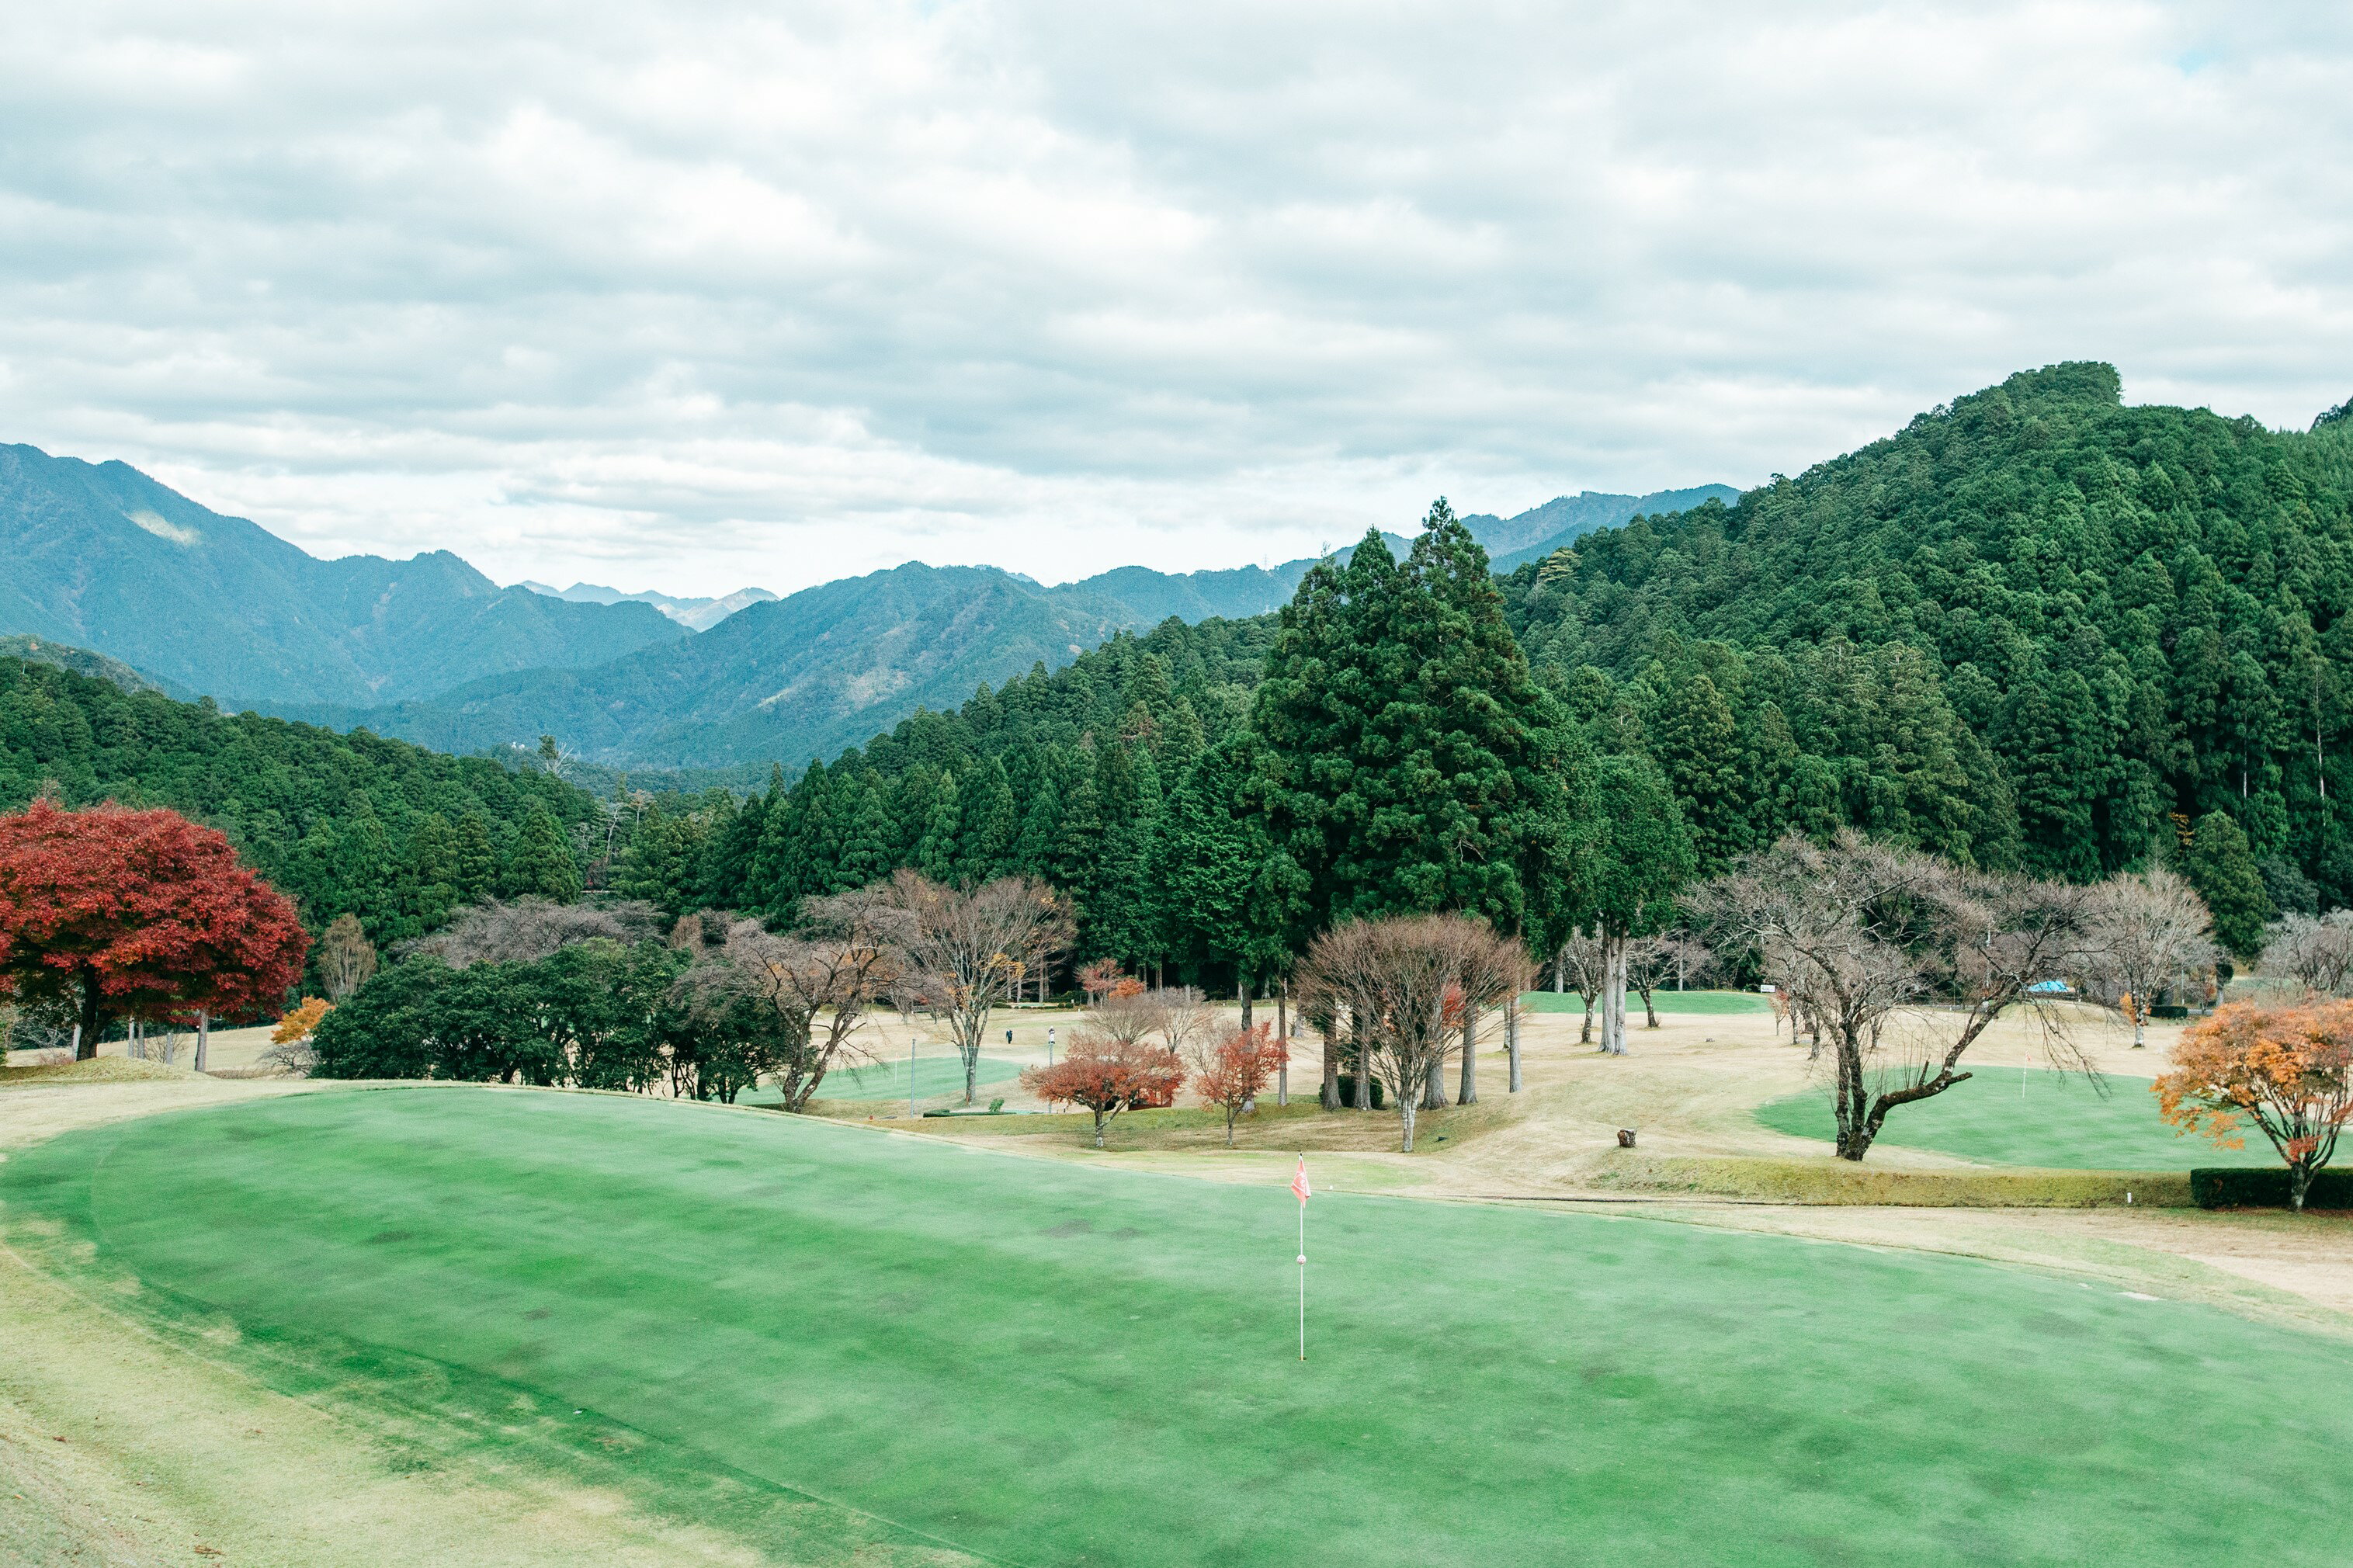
(830, 1340)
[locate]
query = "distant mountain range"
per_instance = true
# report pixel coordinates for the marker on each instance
(101, 557)
(695, 615)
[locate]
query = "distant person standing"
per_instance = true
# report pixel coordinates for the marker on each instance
(1050, 1045)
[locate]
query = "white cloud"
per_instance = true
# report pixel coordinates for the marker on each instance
(688, 296)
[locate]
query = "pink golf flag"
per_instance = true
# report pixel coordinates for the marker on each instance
(1299, 1182)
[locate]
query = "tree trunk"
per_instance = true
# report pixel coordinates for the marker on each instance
(1282, 1029)
(1584, 1034)
(1613, 994)
(971, 1055)
(1560, 972)
(1230, 1126)
(203, 1036)
(1649, 1014)
(1330, 1093)
(1404, 1111)
(1466, 1093)
(86, 1037)
(1512, 1038)
(1099, 1128)
(1245, 987)
(1433, 1083)
(1851, 1102)
(2299, 1181)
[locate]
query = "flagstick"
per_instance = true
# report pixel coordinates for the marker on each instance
(1303, 1281)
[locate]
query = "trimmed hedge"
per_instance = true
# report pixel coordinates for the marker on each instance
(1348, 1092)
(2267, 1188)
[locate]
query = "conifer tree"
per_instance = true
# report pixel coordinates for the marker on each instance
(1696, 742)
(986, 824)
(1413, 762)
(433, 859)
(2221, 865)
(936, 854)
(541, 864)
(477, 860)
(866, 838)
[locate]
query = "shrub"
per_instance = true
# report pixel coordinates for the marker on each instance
(2230, 1187)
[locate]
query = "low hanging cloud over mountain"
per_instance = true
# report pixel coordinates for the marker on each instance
(697, 295)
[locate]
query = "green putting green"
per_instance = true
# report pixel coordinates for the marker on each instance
(1700, 1002)
(2052, 1120)
(934, 1076)
(817, 1335)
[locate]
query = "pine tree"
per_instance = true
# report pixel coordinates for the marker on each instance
(2220, 865)
(1041, 828)
(1414, 763)
(986, 824)
(542, 864)
(433, 863)
(935, 856)
(477, 860)
(866, 839)
(1696, 743)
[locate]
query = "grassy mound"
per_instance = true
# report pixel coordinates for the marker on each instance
(833, 1341)
(98, 1069)
(2051, 1120)
(935, 1078)
(1837, 1182)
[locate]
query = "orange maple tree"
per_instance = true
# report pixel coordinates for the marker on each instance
(117, 912)
(302, 1022)
(1237, 1069)
(1108, 1075)
(2289, 1070)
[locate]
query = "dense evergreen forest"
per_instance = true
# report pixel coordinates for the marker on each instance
(345, 823)
(2035, 628)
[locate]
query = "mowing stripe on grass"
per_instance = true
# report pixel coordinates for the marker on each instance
(1703, 1003)
(1062, 1363)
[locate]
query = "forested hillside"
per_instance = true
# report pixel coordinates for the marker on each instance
(2139, 612)
(379, 829)
(2036, 628)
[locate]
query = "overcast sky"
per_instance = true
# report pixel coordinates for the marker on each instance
(688, 296)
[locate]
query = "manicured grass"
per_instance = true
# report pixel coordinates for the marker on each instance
(1053, 1362)
(2058, 1122)
(935, 1076)
(1701, 1002)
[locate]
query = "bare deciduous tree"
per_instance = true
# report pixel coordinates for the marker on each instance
(815, 985)
(528, 930)
(346, 957)
(1657, 962)
(968, 951)
(1583, 965)
(1856, 932)
(2317, 952)
(1404, 984)
(1184, 1017)
(2143, 936)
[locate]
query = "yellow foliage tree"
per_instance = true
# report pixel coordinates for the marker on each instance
(302, 1022)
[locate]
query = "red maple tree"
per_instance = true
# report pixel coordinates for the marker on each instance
(137, 913)
(1108, 1075)
(1237, 1069)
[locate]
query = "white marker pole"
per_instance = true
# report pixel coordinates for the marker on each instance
(911, 1078)
(1299, 1190)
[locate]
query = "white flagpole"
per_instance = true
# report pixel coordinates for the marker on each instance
(1302, 1258)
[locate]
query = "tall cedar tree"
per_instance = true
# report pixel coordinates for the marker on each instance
(1411, 761)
